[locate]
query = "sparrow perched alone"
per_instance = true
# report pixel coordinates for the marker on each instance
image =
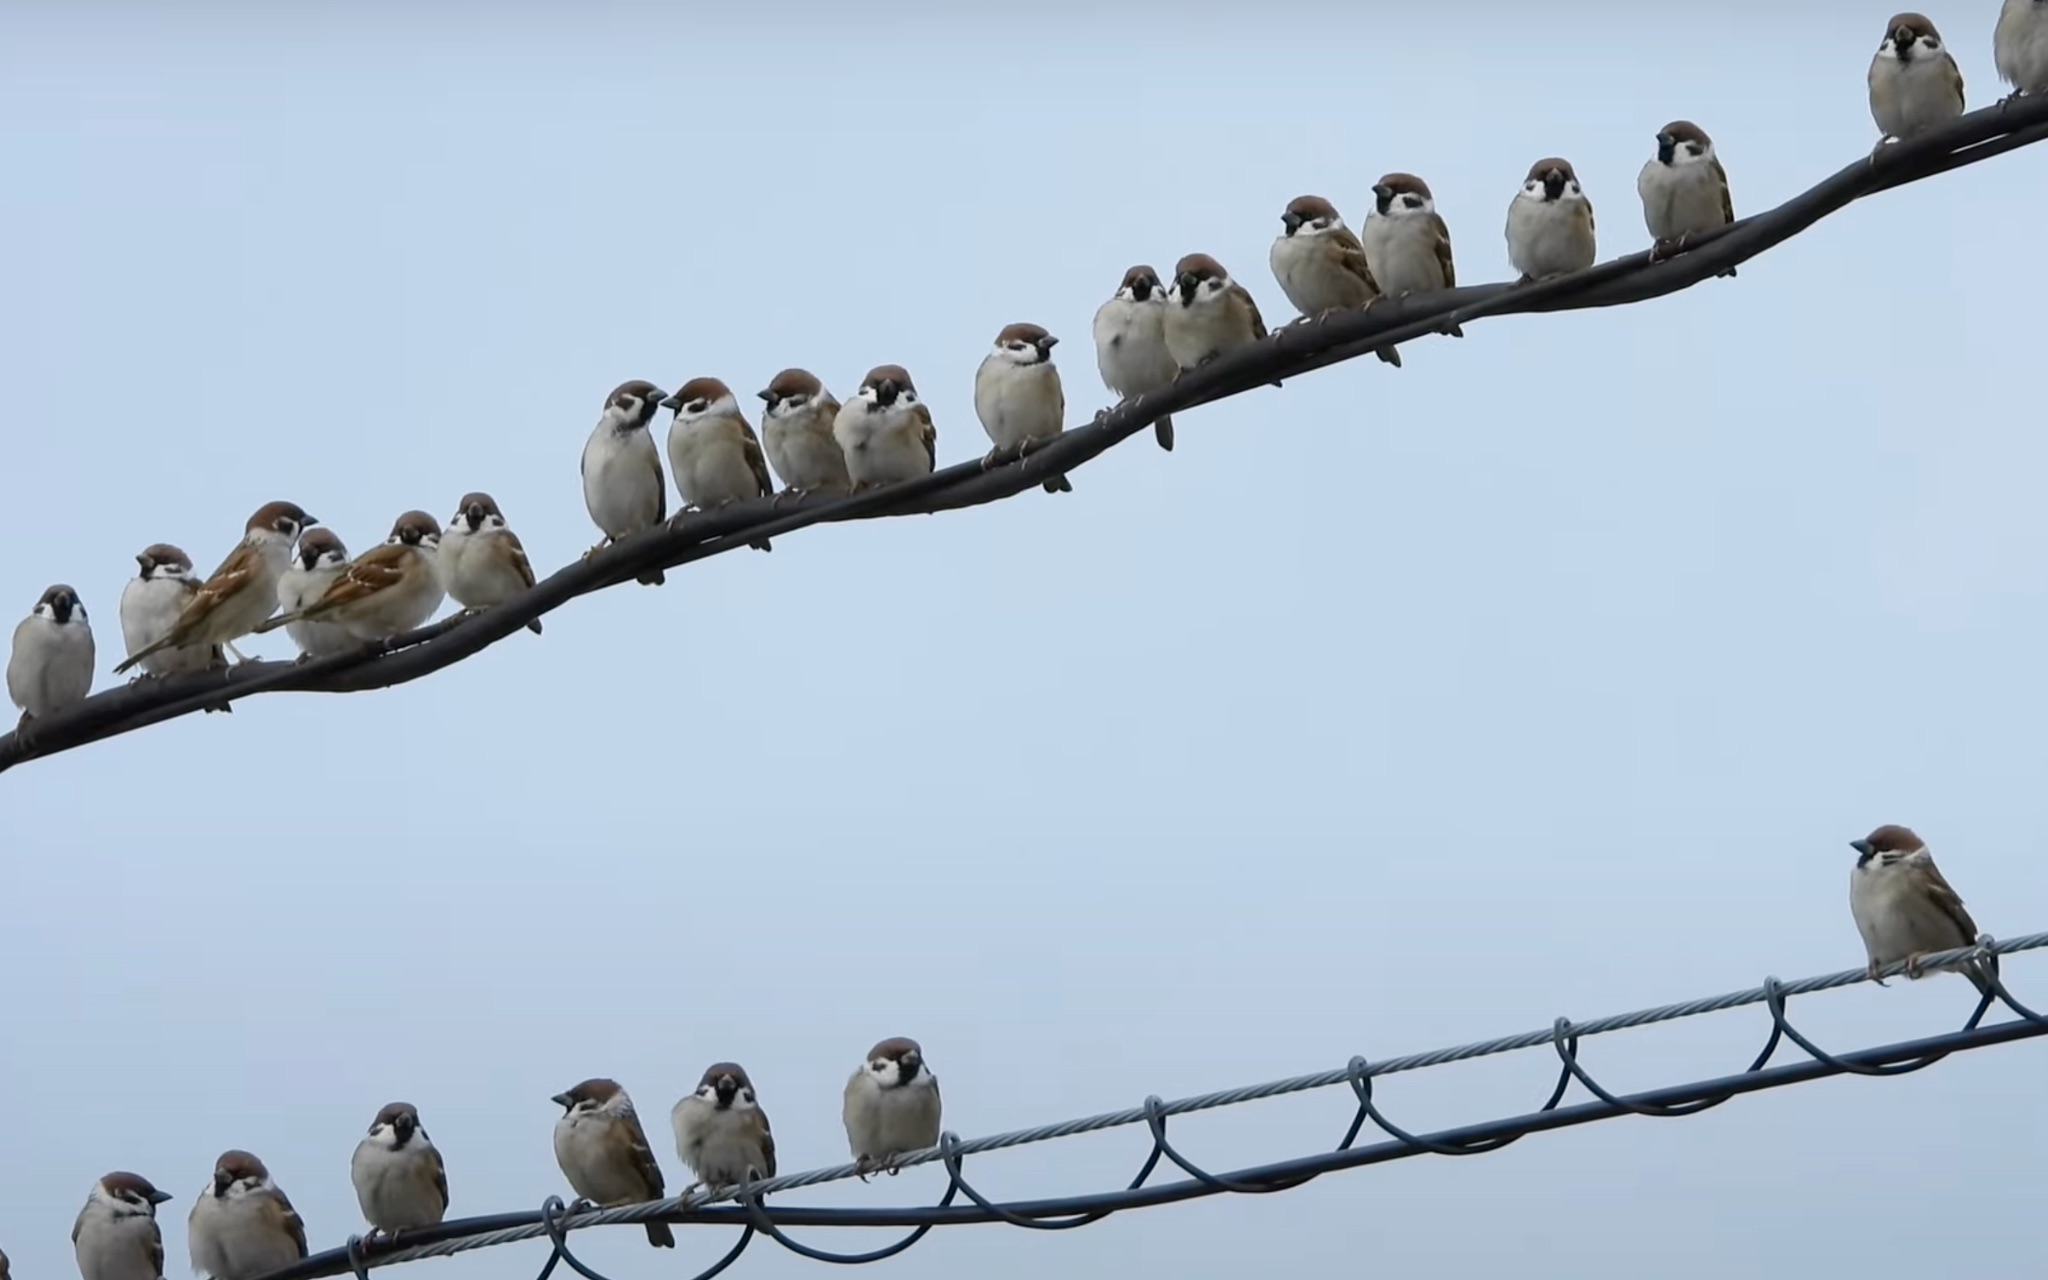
(2019, 46)
(1406, 243)
(482, 561)
(116, 1236)
(150, 605)
(1208, 313)
(622, 484)
(604, 1154)
(1321, 266)
(1550, 223)
(796, 432)
(242, 591)
(399, 1178)
(885, 431)
(1017, 394)
(319, 560)
(387, 591)
(51, 663)
(1684, 189)
(1130, 343)
(891, 1106)
(713, 451)
(1914, 82)
(1903, 907)
(721, 1131)
(242, 1226)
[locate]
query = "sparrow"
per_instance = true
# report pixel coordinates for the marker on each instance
(2019, 47)
(1017, 394)
(1207, 313)
(1914, 82)
(622, 484)
(482, 561)
(386, 591)
(51, 665)
(1684, 189)
(885, 432)
(1550, 223)
(796, 429)
(116, 1236)
(152, 601)
(1130, 342)
(242, 1226)
(242, 592)
(318, 561)
(399, 1178)
(604, 1154)
(721, 1131)
(1321, 266)
(1406, 243)
(891, 1106)
(716, 458)
(1903, 907)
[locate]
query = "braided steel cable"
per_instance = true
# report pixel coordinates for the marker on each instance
(1289, 352)
(747, 1208)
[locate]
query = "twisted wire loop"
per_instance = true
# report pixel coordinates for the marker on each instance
(758, 1220)
(749, 1211)
(1289, 352)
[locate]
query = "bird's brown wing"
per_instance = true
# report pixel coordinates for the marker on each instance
(1727, 200)
(757, 461)
(643, 1156)
(1443, 250)
(156, 1250)
(660, 486)
(377, 569)
(929, 434)
(1258, 321)
(1943, 896)
(520, 564)
(1351, 256)
(440, 1177)
(288, 1218)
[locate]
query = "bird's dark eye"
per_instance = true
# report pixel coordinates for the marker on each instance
(697, 406)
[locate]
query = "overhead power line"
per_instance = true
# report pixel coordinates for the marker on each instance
(961, 1204)
(1289, 352)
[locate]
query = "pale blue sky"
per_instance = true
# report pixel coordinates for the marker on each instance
(1549, 674)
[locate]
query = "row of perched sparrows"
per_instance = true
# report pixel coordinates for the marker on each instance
(242, 1225)
(1146, 335)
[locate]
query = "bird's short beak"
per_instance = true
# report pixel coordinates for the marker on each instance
(1048, 343)
(158, 1197)
(1384, 196)
(142, 560)
(767, 397)
(671, 402)
(475, 515)
(1291, 221)
(1861, 846)
(1187, 285)
(1553, 184)
(561, 1100)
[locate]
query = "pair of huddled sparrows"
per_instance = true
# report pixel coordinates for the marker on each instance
(814, 443)
(1915, 83)
(243, 1226)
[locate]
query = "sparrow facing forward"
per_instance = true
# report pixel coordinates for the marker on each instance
(622, 484)
(1903, 907)
(1321, 266)
(885, 432)
(51, 664)
(399, 1178)
(241, 593)
(891, 1106)
(1914, 82)
(1406, 243)
(604, 1154)
(721, 1131)
(1208, 313)
(1550, 223)
(116, 1236)
(2019, 46)
(1684, 189)
(1130, 343)
(1017, 394)
(716, 458)
(482, 561)
(796, 432)
(242, 1226)
(150, 605)
(319, 560)
(387, 591)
